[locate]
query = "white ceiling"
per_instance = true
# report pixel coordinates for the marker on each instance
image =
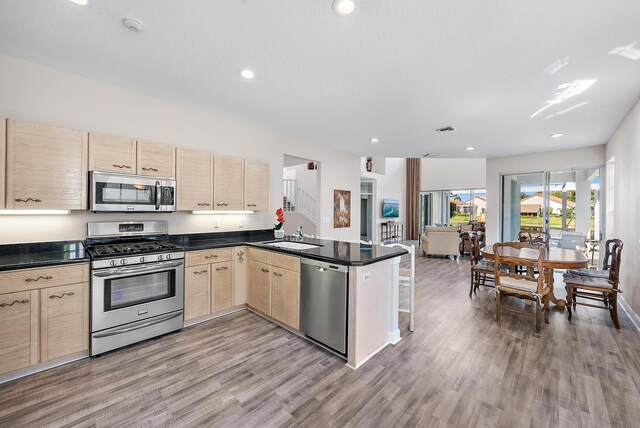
(393, 69)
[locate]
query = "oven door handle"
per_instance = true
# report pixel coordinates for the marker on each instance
(126, 271)
(137, 326)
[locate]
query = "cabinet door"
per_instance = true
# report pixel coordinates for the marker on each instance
(197, 291)
(222, 286)
(18, 330)
(260, 287)
(46, 167)
(285, 300)
(227, 183)
(64, 320)
(156, 160)
(193, 174)
(108, 153)
(256, 185)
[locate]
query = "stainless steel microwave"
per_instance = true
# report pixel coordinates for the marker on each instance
(112, 192)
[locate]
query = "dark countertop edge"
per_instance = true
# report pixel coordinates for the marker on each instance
(301, 253)
(42, 264)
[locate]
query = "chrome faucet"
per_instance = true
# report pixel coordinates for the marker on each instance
(300, 234)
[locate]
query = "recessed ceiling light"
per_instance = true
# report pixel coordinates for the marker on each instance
(247, 74)
(343, 7)
(80, 2)
(471, 148)
(374, 140)
(557, 135)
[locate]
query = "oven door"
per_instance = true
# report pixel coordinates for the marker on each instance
(131, 193)
(126, 294)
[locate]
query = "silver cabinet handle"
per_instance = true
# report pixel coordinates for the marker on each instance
(150, 169)
(115, 165)
(2, 305)
(36, 200)
(53, 296)
(200, 272)
(240, 256)
(222, 268)
(203, 204)
(48, 277)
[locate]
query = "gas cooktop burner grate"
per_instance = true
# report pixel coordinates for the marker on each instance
(134, 248)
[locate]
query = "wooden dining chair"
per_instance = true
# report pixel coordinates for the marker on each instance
(534, 237)
(521, 285)
(481, 269)
(596, 288)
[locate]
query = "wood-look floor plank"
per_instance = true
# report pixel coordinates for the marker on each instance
(459, 368)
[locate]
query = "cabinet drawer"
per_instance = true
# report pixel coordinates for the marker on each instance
(261, 256)
(285, 262)
(209, 256)
(32, 279)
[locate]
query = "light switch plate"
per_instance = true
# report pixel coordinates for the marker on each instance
(216, 223)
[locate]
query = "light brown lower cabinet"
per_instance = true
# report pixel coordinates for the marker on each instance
(19, 330)
(285, 296)
(43, 323)
(260, 286)
(274, 286)
(208, 289)
(64, 320)
(197, 291)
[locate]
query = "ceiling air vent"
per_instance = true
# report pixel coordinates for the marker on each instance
(445, 129)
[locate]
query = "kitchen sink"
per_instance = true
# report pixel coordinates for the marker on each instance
(292, 245)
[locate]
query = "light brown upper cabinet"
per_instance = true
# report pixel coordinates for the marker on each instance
(3, 163)
(46, 167)
(227, 183)
(156, 160)
(256, 185)
(193, 172)
(108, 153)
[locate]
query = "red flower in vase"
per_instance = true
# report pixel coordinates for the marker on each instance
(279, 219)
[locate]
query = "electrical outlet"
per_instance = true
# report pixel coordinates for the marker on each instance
(366, 277)
(241, 224)
(216, 223)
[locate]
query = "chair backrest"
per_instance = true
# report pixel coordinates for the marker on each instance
(534, 237)
(572, 241)
(474, 248)
(614, 267)
(608, 252)
(519, 254)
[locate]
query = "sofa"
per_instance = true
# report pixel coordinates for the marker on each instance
(442, 241)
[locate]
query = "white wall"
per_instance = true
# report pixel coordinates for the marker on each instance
(624, 146)
(535, 162)
(452, 174)
(391, 185)
(33, 92)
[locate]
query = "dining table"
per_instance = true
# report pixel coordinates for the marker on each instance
(555, 258)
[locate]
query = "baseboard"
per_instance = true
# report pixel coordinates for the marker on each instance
(214, 316)
(635, 319)
(37, 368)
(394, 336)
(368, 357)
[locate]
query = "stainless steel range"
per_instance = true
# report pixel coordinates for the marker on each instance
(137, 283)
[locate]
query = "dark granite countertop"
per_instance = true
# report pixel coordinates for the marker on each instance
(339, 252)
(41, 254)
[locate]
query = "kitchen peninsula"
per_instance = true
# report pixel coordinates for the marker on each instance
(42, 272)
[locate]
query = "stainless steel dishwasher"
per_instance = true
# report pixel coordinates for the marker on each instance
(323, 303)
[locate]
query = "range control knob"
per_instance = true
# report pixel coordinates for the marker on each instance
(160, 257)
(167, 257)
(113, 262)
(124, 261)
(143, 259)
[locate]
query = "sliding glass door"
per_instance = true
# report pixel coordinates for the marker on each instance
(564, 203)
(453, 207)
